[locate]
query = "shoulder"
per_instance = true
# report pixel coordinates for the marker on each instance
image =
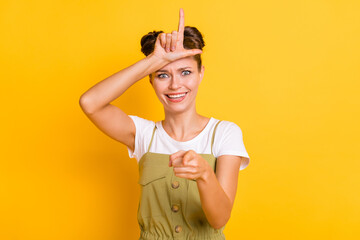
(228, 128)
(142, 123)
(144, 129)
(228, 139)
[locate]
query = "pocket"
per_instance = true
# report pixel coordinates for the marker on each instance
(148, 174)
(154, 194)
(154, 173)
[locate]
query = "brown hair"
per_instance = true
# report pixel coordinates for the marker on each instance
(193, 39)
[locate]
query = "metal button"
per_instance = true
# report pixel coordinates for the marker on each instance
(178, 228)
(175, 184)
(175, 208)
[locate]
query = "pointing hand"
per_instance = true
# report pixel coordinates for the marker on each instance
(170, 46)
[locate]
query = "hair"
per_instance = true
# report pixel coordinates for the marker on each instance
(193, 39)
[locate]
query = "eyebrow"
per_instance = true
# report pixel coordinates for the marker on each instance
(163, 70)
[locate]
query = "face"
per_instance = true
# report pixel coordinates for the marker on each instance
(176, 84)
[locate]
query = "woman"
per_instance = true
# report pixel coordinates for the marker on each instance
(188, 163)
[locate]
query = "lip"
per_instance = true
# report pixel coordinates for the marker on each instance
(175, 93)
(178, 99)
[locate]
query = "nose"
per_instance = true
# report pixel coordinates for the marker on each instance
(175, 82)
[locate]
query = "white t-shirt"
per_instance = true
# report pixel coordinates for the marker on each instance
(228, 140)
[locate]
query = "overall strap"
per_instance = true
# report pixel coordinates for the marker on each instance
(152, 138)
(213, 136)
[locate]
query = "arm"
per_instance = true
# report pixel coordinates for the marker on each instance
(217, 191)
(108, 118)
(114, 86)
(96, 101)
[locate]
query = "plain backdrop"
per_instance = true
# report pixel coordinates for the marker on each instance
(287, 72)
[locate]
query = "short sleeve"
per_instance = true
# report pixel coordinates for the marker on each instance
(142, 127)
(229, 141)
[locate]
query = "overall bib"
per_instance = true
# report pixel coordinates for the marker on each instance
(169, 206)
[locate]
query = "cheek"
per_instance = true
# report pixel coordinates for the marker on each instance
(159, 88)
(194, 83)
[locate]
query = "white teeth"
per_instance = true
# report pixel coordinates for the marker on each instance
(177, 95)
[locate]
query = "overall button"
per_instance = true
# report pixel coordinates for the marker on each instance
(175, 208)
(175, 184)
(178, 228)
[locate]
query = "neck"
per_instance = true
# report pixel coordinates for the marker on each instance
(184, 126)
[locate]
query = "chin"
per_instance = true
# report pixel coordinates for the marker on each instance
(177, 109)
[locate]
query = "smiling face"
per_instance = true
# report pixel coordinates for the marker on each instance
(176, 84)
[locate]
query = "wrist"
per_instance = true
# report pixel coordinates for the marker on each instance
(206, 175)
(150, 64)
(157, 60)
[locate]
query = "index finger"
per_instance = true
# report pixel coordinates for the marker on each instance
(178, 154)
(181, 22)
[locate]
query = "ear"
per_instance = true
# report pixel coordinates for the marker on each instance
(202, 72)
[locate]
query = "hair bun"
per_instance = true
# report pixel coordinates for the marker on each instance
(148, 42)
(193, 38)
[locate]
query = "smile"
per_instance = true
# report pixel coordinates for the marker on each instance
(176, 97)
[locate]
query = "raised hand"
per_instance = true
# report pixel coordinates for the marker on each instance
(169, 46)
(189, 164)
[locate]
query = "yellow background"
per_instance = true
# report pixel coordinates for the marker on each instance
(287, 72)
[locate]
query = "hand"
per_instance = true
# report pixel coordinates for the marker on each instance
(190, 165)
(169, 46)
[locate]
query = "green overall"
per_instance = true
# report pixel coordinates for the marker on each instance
(169, 206)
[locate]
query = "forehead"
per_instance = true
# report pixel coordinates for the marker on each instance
(180, 63)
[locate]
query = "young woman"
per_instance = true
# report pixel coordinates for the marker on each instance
(188, 163)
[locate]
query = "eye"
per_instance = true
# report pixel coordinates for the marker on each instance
(162, 75)
(186, 72)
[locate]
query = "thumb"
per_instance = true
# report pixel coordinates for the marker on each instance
(174, 156)
(191, 52)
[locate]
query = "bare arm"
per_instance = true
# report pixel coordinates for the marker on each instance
(217, 191)
(106, 91)
(96, 101)
(108, 118)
